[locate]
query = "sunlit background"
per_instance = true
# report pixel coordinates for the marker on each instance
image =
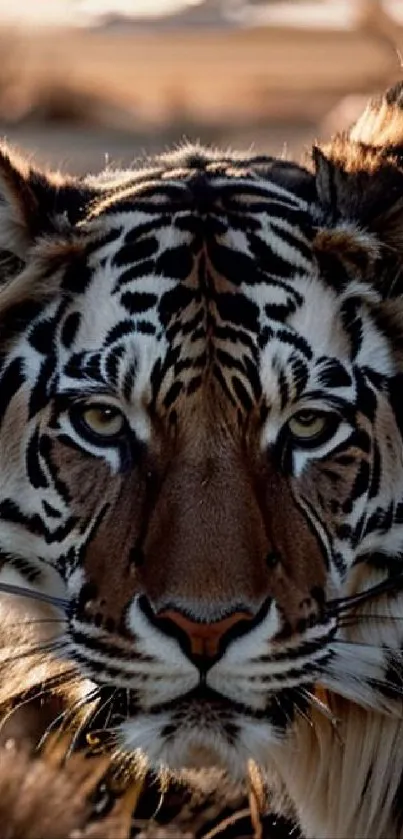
(84, 82)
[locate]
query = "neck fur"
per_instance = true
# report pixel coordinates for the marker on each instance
(345, 782)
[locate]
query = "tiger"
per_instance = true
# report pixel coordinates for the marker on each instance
(201, 498)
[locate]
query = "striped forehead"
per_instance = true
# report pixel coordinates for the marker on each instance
(176, 282)
(165, 247)
(171, 266)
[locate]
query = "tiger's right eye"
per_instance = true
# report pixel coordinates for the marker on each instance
(310, 428)
(100, 423)
(306, 425)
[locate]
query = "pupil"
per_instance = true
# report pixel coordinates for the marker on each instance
(105, 414)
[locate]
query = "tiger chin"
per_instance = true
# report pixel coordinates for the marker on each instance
(201, 498)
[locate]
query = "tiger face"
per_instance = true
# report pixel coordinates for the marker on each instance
(200, 442)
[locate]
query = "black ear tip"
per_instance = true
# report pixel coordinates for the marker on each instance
(318, 157)
(394, 96)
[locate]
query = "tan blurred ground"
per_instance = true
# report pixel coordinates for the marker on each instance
(74, 97)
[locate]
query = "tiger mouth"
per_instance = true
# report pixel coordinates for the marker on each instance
(206, 698)
(204, 706)
(199, 710)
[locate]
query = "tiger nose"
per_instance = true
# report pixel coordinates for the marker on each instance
(204, 640)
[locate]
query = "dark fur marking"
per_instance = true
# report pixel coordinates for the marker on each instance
(138, 301)
(35, 472)
(70, 328)
(238, 311)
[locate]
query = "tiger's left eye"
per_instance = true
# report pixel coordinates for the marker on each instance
(310, 426)
(103, 421)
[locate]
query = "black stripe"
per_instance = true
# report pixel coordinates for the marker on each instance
(35, 472)
(296, 341)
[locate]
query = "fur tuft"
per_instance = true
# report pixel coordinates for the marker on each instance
(37, 801)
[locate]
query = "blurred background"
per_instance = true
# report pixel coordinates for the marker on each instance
(85, 82)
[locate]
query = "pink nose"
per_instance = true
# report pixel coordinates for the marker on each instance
(204, 638)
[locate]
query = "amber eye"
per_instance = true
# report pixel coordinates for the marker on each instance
(102, 421)
(310, 426)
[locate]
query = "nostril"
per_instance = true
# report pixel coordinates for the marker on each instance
(202, 641)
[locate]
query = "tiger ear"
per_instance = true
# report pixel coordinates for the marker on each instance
(18, 206)
(360, 197)
(360, 171)
(381, 123)
(33, 204)
(359, 185)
